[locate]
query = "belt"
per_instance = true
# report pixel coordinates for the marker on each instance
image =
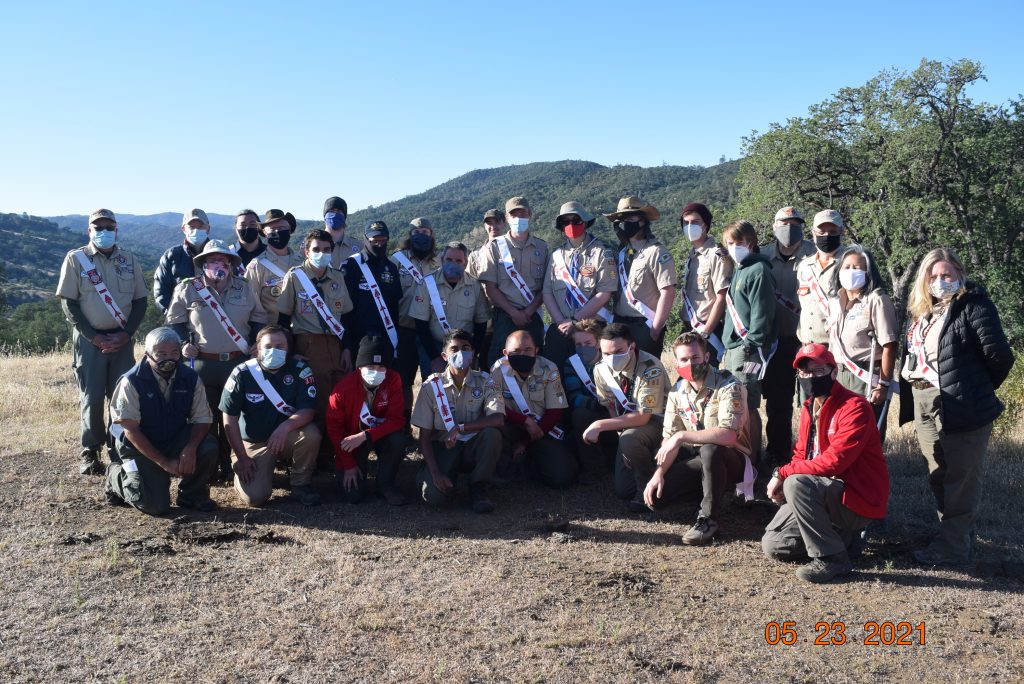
(921, 384)
(109, 332)
(222, 356)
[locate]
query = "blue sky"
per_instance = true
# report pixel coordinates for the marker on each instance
(148, 107)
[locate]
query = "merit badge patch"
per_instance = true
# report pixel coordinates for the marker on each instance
(253, 398)
(311, 391)
(587, 271)
(275, 292)
(477, 392)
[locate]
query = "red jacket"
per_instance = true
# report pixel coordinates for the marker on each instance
(345, 403)
(850, 449)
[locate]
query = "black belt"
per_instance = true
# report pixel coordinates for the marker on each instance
(110, 331)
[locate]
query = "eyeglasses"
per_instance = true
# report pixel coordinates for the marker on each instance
(816, 373)
(108, 228)
(570, 222)
(627, 219)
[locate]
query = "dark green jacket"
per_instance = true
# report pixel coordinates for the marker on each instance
(753, 294)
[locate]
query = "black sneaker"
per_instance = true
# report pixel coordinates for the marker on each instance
(306, 495)
(702, 532)
(393, 497)
(637, 505)
(206, 505)
(825, 568)
(90, 463)
(481, 501)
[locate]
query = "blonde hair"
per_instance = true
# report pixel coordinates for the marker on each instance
(742, 230)
(920, 302)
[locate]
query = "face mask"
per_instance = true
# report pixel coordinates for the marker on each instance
(421, 243)
(788, 234)
(941, 289)
(852, 279)
(165, 367)
(694, 231)
(694, 372)
(372, 378)
(273, 359)
(452, 271)
(631, 228)
(278, 239)
(586, 354)
(104, 239)
(197, 236)
(334, 220)
(518, 225)
(379, 252)
(618, 362)
(815, 386)
(247, 235)
(521, 363)
(320, 260)
(214, 272)
(827, 243)
(574, 231)
(739, 252)
(461, 360)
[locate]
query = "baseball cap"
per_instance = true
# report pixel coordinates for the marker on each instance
(192, 214)
(814, 352)
(101, 214)
(829, 216)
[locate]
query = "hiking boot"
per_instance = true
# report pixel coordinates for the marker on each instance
(935, 556)
(855, 549)
(481, 501)
(306, 495)
(206, 505)
(825, 568)
(90, 463)
(393, 496)
(108, 493)
(637, 505)
(702, 532)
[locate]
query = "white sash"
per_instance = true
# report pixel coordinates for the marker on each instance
(915, 342)
(222, 316)
(558, 259)
(637, 305)
(627, 405)
(836, 347)
(101, 289)
(581, 371)
(367, 418)
(321, 306)
(413, 271)
(280, 404)
(445, 409)
(506, 261)
(435, 300)
(378, 299)
(700, 326)
(524, 408)
(787, 302)
(742, 331)
(271, 266)
(812, 283)
(688, 408)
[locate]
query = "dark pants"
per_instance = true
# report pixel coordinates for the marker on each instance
(390, 452)
(214, 375)
(558, 347)
(813, 521)
(407, 364)
(635, 463)
(149, 487)
(478, 457)
(778, 387)
(548, 460)
(642, 334)
(594, 459)
(710, 470)
(97, 374)
(503, 327)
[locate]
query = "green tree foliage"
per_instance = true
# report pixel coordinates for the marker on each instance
(912, 163)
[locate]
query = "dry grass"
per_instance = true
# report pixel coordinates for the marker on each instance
(371, 593)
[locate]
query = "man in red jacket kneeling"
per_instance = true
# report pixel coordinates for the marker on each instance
(837, 481)
(366, 412)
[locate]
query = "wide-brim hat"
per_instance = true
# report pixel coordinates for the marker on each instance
(276, 215)
(575, 208)
(629, 205)
(217, 247)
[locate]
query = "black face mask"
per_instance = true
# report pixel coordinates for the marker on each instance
(631, 228)
(378, 252)
(421, 245)
(278, 239)
(165, 367)
(521, 363)
(815, 386)
(827, 243)
(247, 234)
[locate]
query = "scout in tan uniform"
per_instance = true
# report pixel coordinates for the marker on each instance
(708, 274)
(462, 305)
(580, 280)
(705, 446)
(102, 330)
(864, 334)
(219, 315)
(631, 384)
(316, 337)
(646, 272)
(495, 226)
(416, 259)
(534, 404)
(460, 432)
(513, 269)
(814, 275)
(336, 222)
(266, 274)
(784, 255)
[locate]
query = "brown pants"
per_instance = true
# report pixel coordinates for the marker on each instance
(301, 449)
(323, 354)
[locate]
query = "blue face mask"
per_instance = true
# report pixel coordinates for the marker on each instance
(421, 242)
(334, 220)
(452, 271)
(586, 354)
(272, 359)
(104, 239)
(197, 236)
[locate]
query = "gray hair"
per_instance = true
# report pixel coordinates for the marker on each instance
(159, 336)
(455, 245)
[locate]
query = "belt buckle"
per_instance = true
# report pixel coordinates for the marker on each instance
(225, 356)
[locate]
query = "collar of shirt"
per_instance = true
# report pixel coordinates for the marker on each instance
(583, 245)
(707, 245)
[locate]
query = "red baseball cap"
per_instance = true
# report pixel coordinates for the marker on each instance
(815, 352)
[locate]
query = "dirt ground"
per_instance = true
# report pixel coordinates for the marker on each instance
(552, 587)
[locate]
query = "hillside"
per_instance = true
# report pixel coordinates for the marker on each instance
(147, 235)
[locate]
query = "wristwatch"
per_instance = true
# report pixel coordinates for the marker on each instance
(775, 474)
(462, 427)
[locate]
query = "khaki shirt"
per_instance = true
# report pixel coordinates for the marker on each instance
(813, 322)
(239, 303)
(266, 284)
(720, 403)
(124, 403)
(708, 273)
(653, 270)
(542, 388)
(296, 303)
(464, 304)
(786, 284)
(121, 273)
(875, 314)
(343, 250)
(597, 272)
(479, 397)
(647, 384)
(409, 284)
(530, 260)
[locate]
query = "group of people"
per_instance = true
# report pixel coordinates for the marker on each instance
(309, 356)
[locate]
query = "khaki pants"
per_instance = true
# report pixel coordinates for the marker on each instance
(478, 457)
(323, 354)
(956, 466)
(97, 374)
(813, 521)
(301, 449)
